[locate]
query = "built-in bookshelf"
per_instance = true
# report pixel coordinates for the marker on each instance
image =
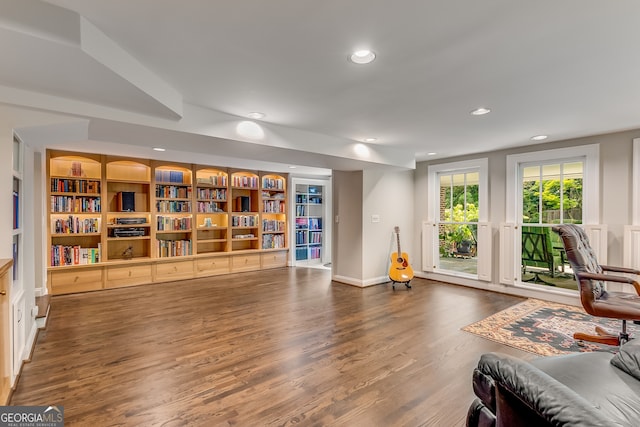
(309, 222)
(212, 210)
(173, 209)
(245, 214)
(273, 211)
(128, 214)
(75, 209)
(119, 221)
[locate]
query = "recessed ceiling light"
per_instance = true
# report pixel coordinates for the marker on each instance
(256, 115)
(539, 137)
(480, 111)
(370, 139)
(363, 56)
(292, 167)
(159, 149)
(431, 153)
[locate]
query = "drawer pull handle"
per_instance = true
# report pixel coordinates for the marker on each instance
(3, 292)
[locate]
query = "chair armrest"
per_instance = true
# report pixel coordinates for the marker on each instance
(610, 278)
(554, 402)
(620, 269)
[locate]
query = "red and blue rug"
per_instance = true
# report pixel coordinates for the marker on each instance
(545, 328)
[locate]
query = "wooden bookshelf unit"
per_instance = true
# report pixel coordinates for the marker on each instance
(120, 221)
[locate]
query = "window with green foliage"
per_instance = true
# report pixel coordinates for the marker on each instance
(552, 193)
(458, 217)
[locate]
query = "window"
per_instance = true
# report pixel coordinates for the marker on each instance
(457, 195)
(546, 188)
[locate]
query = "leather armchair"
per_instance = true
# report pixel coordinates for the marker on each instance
(591, 278)
(581, 389)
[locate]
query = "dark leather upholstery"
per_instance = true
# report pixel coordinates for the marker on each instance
(581, 389)
(590, 276)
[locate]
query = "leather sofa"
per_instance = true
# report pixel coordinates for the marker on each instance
(581, 389)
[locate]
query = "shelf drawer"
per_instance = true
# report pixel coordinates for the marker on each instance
(212, 266)
(129, 275)
(274, 259)
(245, 262)
(177, 270)
(80, 280)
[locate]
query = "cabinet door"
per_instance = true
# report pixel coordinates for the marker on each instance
(77, 280)
(274, 259)
(212, 266)
(245, 263)
(177, 270)
(129, 275)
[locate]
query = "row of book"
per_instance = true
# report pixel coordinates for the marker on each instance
(168, 223)
(301, 254)
(273, 195)
(74, 255)
(165, 175)
(273, 225)
(277, 183)
(301, 237)
(209, 207)
(315, 223)
(75, 225)
(172, 191)
(315, 252)
(244, 220)
(171, 248)
(75, 204)
(315, 237)
(217, 180)
(273, 206)
(173, 206)
(272, 241)
(219, 194)
(64, 185)
(245, 181)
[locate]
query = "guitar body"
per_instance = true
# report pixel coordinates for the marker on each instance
(400, 270)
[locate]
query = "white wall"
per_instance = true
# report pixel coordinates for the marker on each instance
(389, 197)
(346, 254)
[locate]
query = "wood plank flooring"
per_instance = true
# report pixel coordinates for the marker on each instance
(283, 347)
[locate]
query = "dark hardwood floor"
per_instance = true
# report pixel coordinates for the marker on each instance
(280, 347)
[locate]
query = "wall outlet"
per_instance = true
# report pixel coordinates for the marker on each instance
(375, 218)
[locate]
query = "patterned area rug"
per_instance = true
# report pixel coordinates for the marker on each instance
(545, 328)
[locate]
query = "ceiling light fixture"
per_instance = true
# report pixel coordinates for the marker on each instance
(370, 140)
(292, 167)
(432, 153)
(481, 111)
(539, 137)
(159, 149)
(364, 56)
(256, 115)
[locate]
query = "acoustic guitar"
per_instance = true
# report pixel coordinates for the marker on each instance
(400, 270)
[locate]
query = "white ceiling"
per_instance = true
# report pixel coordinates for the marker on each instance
(564, 68)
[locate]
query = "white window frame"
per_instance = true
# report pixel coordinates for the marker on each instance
(433, 211)
(590, 155)
(590, 183)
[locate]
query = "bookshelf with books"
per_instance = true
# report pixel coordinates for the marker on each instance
(245, 216)
(120, 221)
(308, 223)
(273, 211)
(75, 209)
(212, 210)
(128, 213)
(173, 210)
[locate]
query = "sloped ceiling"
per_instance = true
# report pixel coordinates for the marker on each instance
(195, 69)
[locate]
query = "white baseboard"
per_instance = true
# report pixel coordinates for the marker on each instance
(359, 282)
